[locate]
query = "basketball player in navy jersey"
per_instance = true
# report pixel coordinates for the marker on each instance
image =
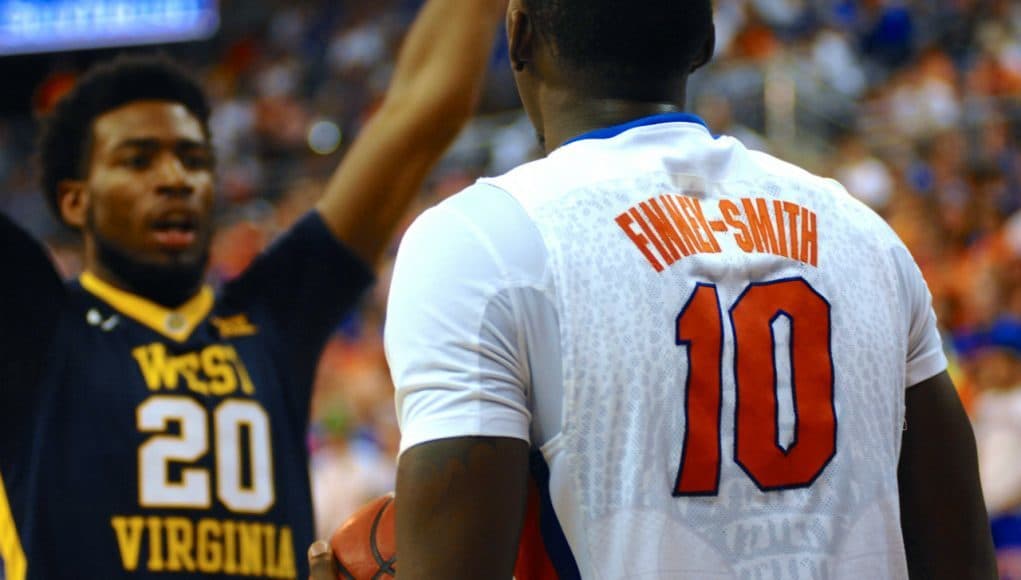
(713, 363)
(150, 428)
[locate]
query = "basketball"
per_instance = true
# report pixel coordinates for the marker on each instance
(366, 544)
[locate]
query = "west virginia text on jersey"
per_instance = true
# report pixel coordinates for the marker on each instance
(210, 546)
(143, 442)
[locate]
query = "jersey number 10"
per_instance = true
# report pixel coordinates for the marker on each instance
(756, 406)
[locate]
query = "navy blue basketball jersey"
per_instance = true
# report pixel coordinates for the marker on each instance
(142, 442)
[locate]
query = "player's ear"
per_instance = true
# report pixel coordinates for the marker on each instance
(707, 50)
(73, 201)
(520, 33)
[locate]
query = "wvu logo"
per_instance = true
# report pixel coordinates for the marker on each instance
(234, 326)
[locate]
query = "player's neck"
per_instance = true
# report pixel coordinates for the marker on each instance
(568, 116)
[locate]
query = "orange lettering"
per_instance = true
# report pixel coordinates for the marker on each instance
(709, 243)
(651, 235)
(683, 226)
(667, 234)
(705, 225)
(625, 220)
(809, 238)
(731, 213)
(758, 221)
(690, 214)
(780, 235)
(792, 210)
(681, 236)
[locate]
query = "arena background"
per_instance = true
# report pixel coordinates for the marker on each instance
(915, 105)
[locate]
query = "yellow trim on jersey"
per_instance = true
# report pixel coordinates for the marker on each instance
(175, 324)
(14, 562)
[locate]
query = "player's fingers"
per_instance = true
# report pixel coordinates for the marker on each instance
(321, 564)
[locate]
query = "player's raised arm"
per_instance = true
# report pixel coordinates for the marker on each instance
(944, 521)
(30, 304)
(433, 93)
(29, 299)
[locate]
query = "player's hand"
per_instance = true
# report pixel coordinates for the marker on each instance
(321, 564)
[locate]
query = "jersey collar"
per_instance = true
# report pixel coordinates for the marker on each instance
(176, 324)
(608, 132)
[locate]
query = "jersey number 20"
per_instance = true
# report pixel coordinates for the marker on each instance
(756, 403)
(240, 427)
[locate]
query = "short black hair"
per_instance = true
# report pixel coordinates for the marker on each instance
(65, 137)
(626, 42)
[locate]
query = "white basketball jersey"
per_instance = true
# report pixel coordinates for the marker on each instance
(733, 337)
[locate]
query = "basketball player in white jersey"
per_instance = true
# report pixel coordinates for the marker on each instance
(713, 363)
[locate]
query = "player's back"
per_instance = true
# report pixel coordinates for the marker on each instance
(734, 338)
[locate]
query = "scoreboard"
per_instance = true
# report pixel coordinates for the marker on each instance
(28, 26)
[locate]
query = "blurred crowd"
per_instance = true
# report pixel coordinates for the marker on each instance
(914, 105)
